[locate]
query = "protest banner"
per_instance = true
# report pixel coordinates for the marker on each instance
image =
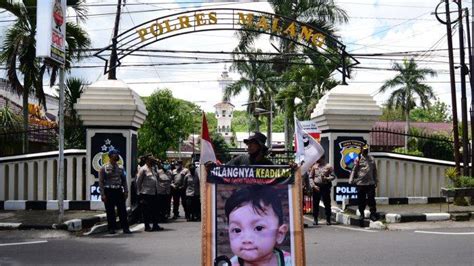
(251, 213)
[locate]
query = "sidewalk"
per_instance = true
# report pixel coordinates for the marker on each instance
(405, 212)
(76, 220)
(47, 219)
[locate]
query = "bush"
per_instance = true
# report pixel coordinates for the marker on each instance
(439, 147)
(409, 152)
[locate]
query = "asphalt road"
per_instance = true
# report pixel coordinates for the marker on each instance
(179, 244)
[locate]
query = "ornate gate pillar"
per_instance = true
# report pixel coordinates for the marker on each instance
(345, 116)
(112, 114)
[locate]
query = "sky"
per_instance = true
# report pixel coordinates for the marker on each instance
(375, 26)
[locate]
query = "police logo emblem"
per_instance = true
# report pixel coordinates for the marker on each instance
(350, 150)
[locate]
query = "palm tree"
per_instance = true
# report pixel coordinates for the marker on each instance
(74, 133)
(408, 87)
(322, 14)
(10, 125)
(308, 83)
(19, 51)
(257, 78)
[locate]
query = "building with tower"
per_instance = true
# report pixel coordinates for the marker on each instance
(224, 109)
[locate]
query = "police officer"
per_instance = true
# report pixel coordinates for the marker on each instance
(147, 189)
(256, 152)
(364, 176)
(178, 191)
(114, 191)
(320, 178)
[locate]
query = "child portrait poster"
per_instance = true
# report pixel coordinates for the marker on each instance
(221, 225)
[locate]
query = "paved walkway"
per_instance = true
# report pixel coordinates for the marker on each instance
(42, 217)
(421, 208)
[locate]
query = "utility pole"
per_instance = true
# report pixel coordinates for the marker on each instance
(113, 55)
(451, 78)
(471, 82)
(465, 138)
(60, 181)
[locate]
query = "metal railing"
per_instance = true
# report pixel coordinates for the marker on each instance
(427, 145)
(40, 139)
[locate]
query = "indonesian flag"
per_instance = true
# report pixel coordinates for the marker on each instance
(207, 151)
(308, 150)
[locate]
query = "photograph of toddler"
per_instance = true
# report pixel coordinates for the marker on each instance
(257, 225)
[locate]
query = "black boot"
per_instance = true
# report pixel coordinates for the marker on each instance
(373, 216)
(361, 222)
(147, 227)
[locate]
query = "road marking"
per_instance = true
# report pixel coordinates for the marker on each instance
(445, 233)
(23, 243)
(354, 229)
(345, 227)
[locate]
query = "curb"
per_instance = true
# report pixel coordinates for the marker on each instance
(70, 225)
(397, 201)
(71, 205)
(416, 217)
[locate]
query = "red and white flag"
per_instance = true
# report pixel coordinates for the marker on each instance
(207, 151)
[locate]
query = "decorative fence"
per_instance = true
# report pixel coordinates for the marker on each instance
(421, 144)
(34, 176)
(40, 139)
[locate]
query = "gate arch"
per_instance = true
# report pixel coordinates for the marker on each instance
(216, 19)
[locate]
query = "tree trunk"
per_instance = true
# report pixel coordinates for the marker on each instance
(407, 128)
(25, 119)
(269, 131)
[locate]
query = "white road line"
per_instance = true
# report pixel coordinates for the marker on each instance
(445, 233)
(355, 229)
(345, 227)
(24, 243)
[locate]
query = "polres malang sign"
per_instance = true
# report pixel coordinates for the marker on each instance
(271, 24)
(51, 30)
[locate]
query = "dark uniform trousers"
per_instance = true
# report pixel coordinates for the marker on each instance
(366, 196)
(115, 197)
(150, 209)
(178, 195)
(324, 193)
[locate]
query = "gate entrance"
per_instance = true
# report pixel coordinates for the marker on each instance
(218, 19)
(221, 186)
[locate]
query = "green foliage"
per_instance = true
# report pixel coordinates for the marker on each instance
(409, 152)
(74, 130)
(10, 123)
(221, 148)
(451, 173)
(457, 180)
(437, 112)
(168, 122)
(466, 181)
(392, 114)
(438, 146)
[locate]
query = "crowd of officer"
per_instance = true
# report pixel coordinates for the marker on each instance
(158, 183)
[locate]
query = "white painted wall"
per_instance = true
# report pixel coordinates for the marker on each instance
(410, 176)
(34, 176)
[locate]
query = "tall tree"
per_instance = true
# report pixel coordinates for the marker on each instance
(19, 50)
(257, 78)
(322, 14)
(75, 132)
(167, 124)
(407, 87)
